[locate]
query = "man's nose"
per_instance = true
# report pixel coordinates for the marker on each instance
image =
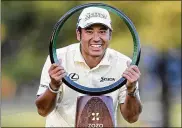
(96, 37)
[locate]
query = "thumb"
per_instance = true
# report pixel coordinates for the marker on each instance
(60, 61)
(128, 63)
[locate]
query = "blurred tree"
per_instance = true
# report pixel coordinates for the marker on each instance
(29, 25)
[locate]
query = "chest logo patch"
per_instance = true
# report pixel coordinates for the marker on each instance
(103, 79)
(74, 76)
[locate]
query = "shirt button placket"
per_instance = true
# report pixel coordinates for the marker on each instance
(91, 79)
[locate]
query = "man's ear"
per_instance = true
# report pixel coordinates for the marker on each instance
(78, 35)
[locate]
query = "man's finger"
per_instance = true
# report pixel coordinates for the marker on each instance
(132, 71)
(129, 73)
(136, 69)
(60, 72)
(55, 70)
(61, 76)
(127, 76)
(60, 61)
(54, 65)
(128, 63)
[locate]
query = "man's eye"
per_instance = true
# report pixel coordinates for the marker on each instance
(89, 31)
(103, 31)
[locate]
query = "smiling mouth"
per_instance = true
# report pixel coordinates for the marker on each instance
(96, 45)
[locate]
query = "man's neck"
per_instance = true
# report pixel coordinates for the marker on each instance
(92, 61)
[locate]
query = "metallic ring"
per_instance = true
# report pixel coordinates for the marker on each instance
(135, 58)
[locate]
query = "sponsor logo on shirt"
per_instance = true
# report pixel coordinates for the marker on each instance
(44, 86)
(106, 79)
(74, 76)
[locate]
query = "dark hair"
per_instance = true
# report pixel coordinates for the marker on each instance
(79, 29)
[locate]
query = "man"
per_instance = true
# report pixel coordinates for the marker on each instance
(95, 65)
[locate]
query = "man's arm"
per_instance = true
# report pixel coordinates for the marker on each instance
(46, 102)
(131, 108)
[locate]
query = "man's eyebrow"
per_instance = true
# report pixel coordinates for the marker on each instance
(88, 28)
(104, 28)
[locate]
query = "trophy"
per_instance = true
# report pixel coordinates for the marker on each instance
(94, 109)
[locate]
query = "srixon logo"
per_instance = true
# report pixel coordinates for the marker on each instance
(106, 79)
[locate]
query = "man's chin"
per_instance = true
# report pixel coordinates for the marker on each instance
(96, 55)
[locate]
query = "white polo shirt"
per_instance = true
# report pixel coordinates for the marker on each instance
(108, 71)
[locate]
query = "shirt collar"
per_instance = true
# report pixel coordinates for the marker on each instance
(79, 58)
(105, 59)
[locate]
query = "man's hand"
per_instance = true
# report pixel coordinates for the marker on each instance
(56, 73)
(132, 74)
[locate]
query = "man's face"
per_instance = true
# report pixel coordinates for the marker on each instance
(94, 40)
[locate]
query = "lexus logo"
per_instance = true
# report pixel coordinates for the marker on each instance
(73, 76)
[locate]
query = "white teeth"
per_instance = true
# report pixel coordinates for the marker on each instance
(96, 45)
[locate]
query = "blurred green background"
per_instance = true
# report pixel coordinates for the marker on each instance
(26, 27)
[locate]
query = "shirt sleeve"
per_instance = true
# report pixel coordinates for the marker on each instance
(123, 93)
(45, 79)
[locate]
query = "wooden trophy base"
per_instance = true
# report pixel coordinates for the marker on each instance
(95, 111)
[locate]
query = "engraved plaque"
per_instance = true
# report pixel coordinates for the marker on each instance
(94, 111)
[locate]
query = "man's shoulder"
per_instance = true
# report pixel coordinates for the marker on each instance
(116, 54)
(68, 48)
